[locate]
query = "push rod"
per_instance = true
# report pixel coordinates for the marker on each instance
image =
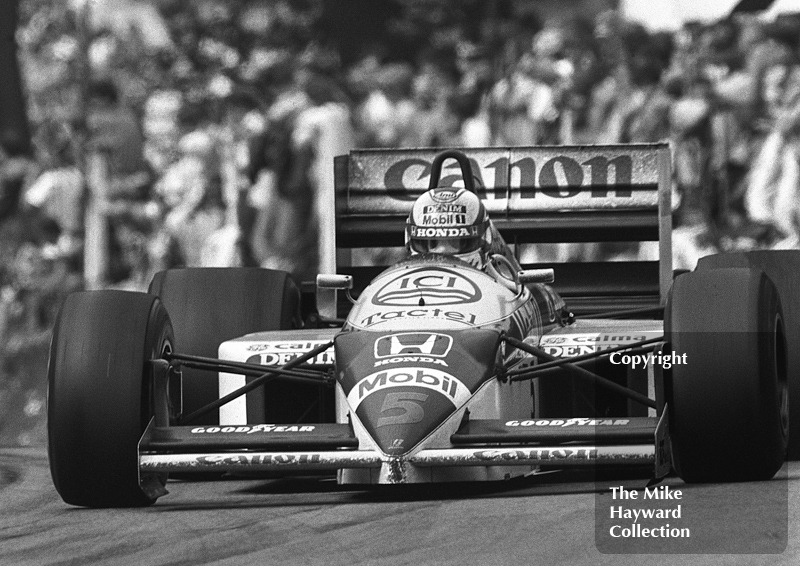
(215, 364)
(266, 377)
(583, 373)
(581, 358)
(619, 314)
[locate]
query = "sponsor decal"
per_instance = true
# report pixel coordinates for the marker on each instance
(442, 220)
(462, 232)
(537, 454)
(277, 359)
(437, 287)
(580, 344)
(569, 422)
(444, 209)
(568, 351)
(279, 353)
(251, 429)
(427, 378)
(443, 195)
(426, 343)
(559, 177)
(304, 346)
(610, 340)
(455, 316)
(411, 360)
(259, 459)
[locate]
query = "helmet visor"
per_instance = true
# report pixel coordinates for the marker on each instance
(446, 240)
(445, 246)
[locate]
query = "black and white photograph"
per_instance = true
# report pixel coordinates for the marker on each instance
(400, 282)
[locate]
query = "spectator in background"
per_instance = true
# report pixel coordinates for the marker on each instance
(724, 94)
(470, 102)
(385, 117)
(690, 122)
(16, 170)
(191, 195)
(115, 131)
(287, 168)
(161, 129)
(433, 123)
(323, 131)
(57, 194)
(282, 235)
(522, 105)
(772, 193)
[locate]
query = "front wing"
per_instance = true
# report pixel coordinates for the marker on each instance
(633, 441)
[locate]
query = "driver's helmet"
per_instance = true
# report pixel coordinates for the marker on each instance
(449, 221)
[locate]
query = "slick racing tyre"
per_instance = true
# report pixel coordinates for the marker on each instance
(728, 404)
(782, 266)
(208, 306)
(100, 396)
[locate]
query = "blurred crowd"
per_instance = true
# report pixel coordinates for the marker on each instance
(204, 121)
(202, 129)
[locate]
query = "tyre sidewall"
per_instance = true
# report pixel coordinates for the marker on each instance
(725, 403)
(211, 305)
(100, 394)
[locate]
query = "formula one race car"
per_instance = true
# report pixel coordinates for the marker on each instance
(439, 370)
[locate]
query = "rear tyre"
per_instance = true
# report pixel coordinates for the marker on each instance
(211, 305)
(728, 406)
(782, 266)
(100, 395)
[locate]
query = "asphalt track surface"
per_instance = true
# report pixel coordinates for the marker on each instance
(547, 519)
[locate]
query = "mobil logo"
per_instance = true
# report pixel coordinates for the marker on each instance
(429, 287)
(400, 407)
(403, 378)
(413, 343)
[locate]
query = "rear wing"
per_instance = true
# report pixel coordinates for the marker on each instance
(557, 194)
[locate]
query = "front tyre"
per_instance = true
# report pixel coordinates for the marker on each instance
(728, 405)
(211, 305)
(782, 266)
(100, 395)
